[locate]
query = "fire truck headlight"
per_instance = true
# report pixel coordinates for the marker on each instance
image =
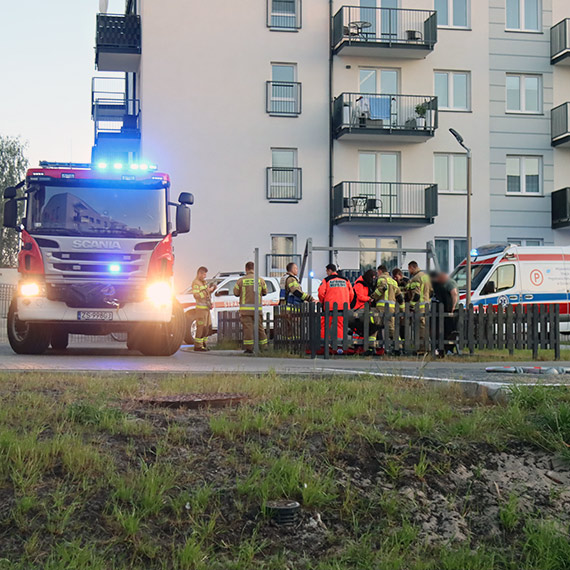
(30, 289)
(159, 293)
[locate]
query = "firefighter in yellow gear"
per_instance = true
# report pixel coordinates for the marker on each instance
(387, 295)
(203, 296)
(420, 290)
(291, 296)
(244, 289)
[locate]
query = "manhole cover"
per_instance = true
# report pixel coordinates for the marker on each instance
(195, 400)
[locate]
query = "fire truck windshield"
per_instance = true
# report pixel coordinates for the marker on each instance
(76, 210)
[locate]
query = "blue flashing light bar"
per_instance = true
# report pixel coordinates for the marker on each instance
(474, 253)
(143, 166)
(114, 268)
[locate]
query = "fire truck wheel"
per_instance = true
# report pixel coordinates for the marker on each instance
(26, 338)
(59, 340)
(165, 339)
(190, 327)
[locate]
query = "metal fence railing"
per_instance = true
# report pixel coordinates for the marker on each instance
(284, 184)
(120, 32)
(389, 26)
(559, 40)
(283, 98)
(385, 200)
(560, 129)
(361, 112)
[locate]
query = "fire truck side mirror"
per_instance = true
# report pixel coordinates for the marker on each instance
(186, 198)
(10, 214)
(182, 219)
(10, 193)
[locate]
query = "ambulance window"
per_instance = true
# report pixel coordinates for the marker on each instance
(270, 287)
(503, 277)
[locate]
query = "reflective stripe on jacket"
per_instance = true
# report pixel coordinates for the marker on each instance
(388, 292)
(420, 288)
(201, 294)
(335, 289)
(244, 289)
(290, 291)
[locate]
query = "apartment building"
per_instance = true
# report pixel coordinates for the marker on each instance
(297, 119)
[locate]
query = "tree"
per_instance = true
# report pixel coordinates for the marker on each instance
(13, 165)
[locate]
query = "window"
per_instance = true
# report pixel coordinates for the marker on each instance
(283, 91)
(453, 90)
(452, 13)
(524, 93)
(526, 242)
(524, 175)
(450, 252)
(284, 14)
(503, 277)
(372, 259)
(383, 81)
(523, 15)
(283, 251)
(284, 178)
(450, 172)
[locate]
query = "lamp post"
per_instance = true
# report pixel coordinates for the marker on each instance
(459, 139)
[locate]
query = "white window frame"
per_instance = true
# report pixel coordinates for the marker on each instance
(522, 242)
(522, 94)
(283, 100)
(523, 192)
(522, 14)
(450, 249)
(397, 239)
(450, 98)
(451, 172)
(294, 185)
(297, 17)
(450, 25)
(378, 71)
(271, 237)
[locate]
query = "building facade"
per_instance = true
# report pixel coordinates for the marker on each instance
(297, 119)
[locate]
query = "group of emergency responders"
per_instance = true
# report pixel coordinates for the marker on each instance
(378, 288)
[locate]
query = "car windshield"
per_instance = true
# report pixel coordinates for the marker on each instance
(75, 210)
(478, 273)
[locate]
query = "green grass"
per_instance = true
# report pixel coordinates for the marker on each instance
(90, 479)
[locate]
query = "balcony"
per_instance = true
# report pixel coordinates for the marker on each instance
(560, 131)
(399, 118)
(395, 202)
(384, 32)
(118, 42)
(116, 118)
(283, 98)
(284, 184)
(276, 263)
(559, 43)
(560, 208)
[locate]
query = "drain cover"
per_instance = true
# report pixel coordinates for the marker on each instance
(218, 400)
(283, 512)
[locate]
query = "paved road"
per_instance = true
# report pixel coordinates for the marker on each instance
(105, 358)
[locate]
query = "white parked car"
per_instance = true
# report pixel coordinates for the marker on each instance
(224, 300)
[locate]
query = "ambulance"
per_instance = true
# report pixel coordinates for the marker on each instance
(503, 274)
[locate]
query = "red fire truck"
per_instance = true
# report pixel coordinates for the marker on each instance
(96, 256)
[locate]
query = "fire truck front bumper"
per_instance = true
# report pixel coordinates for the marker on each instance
(41, 309)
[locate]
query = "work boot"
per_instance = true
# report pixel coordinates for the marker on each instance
(200, 349)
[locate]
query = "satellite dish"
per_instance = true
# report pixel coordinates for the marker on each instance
(103, 6)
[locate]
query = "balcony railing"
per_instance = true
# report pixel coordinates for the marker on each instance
(387, 201)
(283, 98)
(118, 42)
(414, 116)
(366, 31)
(559, 42)
(284, 184)
(560, 130)
(560, 208)
(284, 14)
(276, 263)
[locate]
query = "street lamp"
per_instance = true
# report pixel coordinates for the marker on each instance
(459, 139)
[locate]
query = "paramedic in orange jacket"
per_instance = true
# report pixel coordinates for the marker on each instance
(334, 289)
(363, 288)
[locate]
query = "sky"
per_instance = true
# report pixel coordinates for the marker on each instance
(46, 64)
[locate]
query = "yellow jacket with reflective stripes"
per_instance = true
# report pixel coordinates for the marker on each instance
(201, 294)
(419, 286)
(388, 292)
(244, 290)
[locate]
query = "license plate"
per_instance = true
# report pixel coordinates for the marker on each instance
(94, 315)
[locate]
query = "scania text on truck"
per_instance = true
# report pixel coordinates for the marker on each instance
(96, 256)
